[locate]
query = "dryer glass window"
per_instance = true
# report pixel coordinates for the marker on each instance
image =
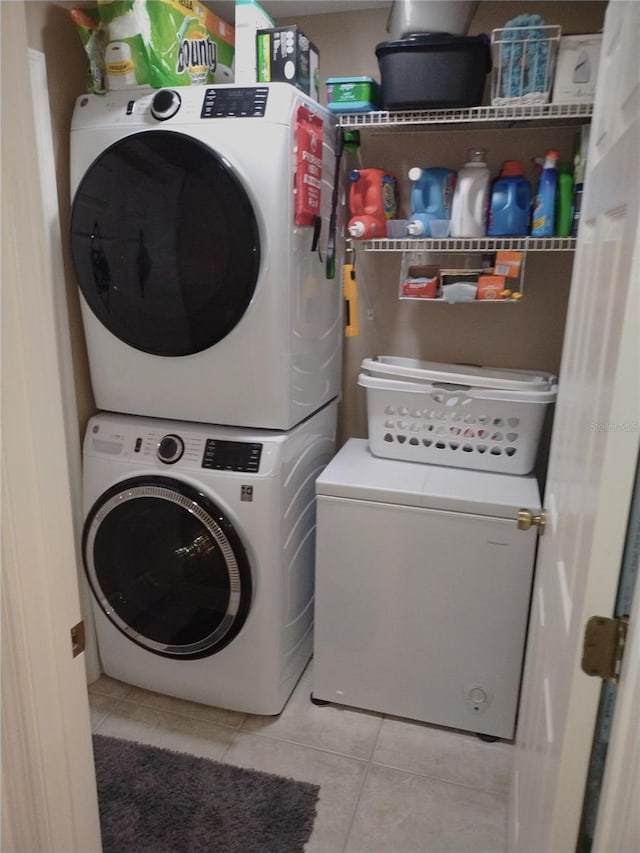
(167, 567)
(165, 243)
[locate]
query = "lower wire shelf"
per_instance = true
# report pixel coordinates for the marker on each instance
(467, 244)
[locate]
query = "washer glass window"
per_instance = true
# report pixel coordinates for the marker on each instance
(167, 567)
(165, 243)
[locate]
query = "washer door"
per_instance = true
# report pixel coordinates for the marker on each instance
(167, 567)
(165, 243)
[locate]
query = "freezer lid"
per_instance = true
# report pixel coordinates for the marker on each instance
(355, 473)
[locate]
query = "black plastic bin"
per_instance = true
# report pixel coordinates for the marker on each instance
(433, 71)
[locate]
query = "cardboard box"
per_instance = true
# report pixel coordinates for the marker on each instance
(285, 54)
(577, 69)
(314, 72)
(508, 264)
(490, 287)
(250, 17)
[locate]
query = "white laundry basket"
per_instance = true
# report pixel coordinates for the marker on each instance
(488, 419)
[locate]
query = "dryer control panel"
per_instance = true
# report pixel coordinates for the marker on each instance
(235, 102)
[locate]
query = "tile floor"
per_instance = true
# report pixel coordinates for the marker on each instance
(386, 784)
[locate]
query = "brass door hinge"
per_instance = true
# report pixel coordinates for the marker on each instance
(603, 647)
(77, 639)
(527, 519)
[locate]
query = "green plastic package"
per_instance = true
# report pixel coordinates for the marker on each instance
(165, 43)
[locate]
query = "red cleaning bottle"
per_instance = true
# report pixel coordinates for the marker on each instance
(373, 199)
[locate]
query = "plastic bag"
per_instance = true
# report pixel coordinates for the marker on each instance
(93, 36)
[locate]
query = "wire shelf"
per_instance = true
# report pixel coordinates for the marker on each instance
(498, 116)
(468, 244)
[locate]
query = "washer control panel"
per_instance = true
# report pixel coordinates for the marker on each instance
(232, 455)
(157, 445)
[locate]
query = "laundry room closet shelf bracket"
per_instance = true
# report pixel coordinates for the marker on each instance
(542, 115)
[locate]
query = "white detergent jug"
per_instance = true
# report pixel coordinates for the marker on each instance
(471, 197)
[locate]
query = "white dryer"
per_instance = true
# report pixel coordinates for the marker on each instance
(201, 297)
(198, 545)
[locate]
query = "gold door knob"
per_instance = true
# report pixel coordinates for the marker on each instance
(527, 519)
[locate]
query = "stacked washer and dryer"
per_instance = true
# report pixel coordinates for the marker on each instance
(214, 345)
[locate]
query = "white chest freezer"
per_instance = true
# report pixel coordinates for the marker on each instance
(423, 586)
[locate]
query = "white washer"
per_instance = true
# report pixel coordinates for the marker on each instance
(198, 545)
(423, 583)
(201, 298)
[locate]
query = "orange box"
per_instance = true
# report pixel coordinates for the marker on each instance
(508, 264)
(490, 287)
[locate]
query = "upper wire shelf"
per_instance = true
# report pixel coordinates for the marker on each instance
(488, 116)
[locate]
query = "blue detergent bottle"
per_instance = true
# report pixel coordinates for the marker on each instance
(510, 204)
(431, 196)
(544, 210)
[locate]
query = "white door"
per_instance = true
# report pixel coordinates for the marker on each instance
(49, 799)
(592, 465)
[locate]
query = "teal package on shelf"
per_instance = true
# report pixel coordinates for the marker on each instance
(352, 94)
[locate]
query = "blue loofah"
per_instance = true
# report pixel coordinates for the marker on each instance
(525, 53)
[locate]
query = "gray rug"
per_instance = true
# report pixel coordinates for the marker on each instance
(159, 801)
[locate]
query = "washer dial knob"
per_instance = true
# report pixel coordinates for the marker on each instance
(170, 449)
(165, 104)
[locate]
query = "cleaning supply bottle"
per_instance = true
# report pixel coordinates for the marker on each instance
(579, 169)
(564, 200)
(544, 210)
(510, 204)
(471, 197)
(373, 199)
(431, 197)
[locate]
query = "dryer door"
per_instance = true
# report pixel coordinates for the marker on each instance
(167, 567)
(165, 243)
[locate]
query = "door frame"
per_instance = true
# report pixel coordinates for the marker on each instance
(49, 796)
(618, 819)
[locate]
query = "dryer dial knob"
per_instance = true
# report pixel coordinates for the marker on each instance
(165, 104)
(170, 449)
